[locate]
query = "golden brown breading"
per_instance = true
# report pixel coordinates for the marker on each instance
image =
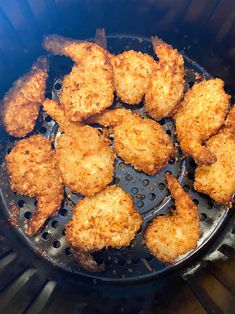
(201, 114)
(106, 219)
(140, 142)
(132, 71)
(21, 103)
(218, 180)
(33, 171)
(85, 159)
(88, 89)
(166, 85)
(167, 237)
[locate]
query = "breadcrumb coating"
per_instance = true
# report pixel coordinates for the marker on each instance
(166, 85)
(107, 219)
(33, 171)
(20, 105)
(167, 237)
(200, 116)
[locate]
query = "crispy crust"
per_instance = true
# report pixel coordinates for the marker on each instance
(84, 157)
(167, 237)
(140, 142)
(33, 171)
(166, 85)
(88, 89)
(21, 103)
(201, 114)
(106, 219)
(132, 71)
(218, 180)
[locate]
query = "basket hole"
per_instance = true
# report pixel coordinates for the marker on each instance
(210, 205)
(152, 196)
(36, 203)
(43, 130)
(190, 83)
(121, 166)
(116, 180)
(196, 202)
(64, 212)
(68, 251)
(186, 188)
(172, 161)
(135, 260)
(122, 262)
(203, 217)
(48, 119)
(9, 150)
(46, 236)
(191, 176)
(63, 232)
(27, 215)
(139, 204)
(149, 257)
(21, 203)
(49, 95)
(54, 224)
(168, 132)
(145, 182)
(161, 186)
(108, 261)
(57, 86)
(192, 163)
(128, 177)
(162, 122)
(56, 244)
(134, 191)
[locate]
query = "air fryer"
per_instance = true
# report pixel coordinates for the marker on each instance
(39, 274)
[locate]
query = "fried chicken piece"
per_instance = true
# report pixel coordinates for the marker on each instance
(33, 171)
(218, 180)
(140, 142)
(106, 219)
(201, 114)
(132, 71)
(84, 157)
(166, 85)
(88, 89)
(167, 237)
(20, 105)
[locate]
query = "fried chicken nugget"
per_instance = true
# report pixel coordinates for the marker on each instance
(89, 88)
(218, 180)
(201, 114)
(140, 142)
(166, 85)
(106, 219)
(20, 105)
(84, 157)
(33, 171)
(132, 71)
(167, 237)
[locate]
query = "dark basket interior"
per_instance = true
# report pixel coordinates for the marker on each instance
(39, 275)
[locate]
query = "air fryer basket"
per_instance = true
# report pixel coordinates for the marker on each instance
(39, 274)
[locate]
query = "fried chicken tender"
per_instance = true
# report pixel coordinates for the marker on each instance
(33, 171)
(20, 105)
(166, 85)
(218, 180)
(106, 219)
(140, 142)
(167, 237)
(89, 88)
(84, 157)
(201, 114)
(132, 71)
